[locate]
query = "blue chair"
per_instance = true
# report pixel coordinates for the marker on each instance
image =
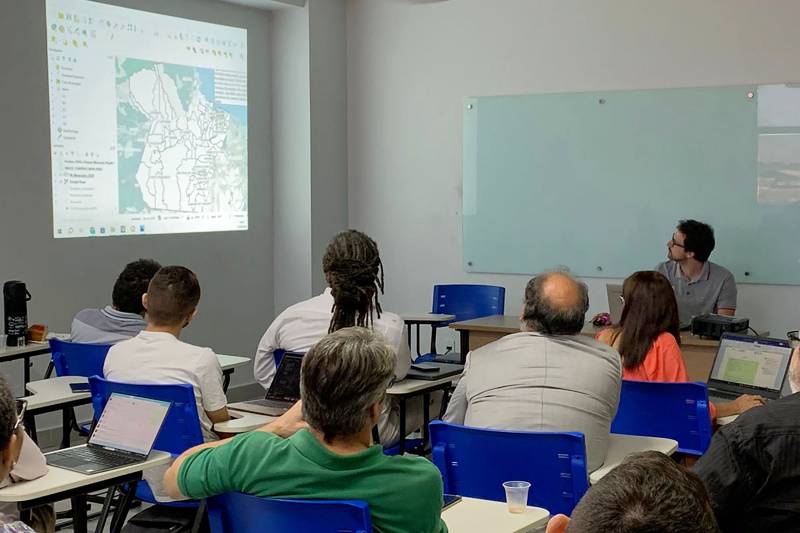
(673, 410)
(476, 461)
(181, 429)
(235, 512)
(76, 359)
(465, 302)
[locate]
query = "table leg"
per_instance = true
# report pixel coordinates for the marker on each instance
(79, 517)
(101, 521)
(26, 373)
(408, 333)
(30, 426)
(227, 379)
(426, 418)
(123, 507)
(464, 344)
(67, 415)
(402, 441)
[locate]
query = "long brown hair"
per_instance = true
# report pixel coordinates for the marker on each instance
(353, 269)
(650, 309)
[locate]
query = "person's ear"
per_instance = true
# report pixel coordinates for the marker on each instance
(375, 411)
(10, 454)
(522, 313)
(557, 524)
(190, 317)
(144, 301)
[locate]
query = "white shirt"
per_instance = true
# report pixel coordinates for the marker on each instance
(302, 325)
(31, 464)
(154, 357)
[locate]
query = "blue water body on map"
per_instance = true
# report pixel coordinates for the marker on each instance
(206, 77)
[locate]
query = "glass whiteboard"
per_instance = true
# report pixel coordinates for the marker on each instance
(596, 182)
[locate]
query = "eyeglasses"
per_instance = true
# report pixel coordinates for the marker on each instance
(22, 407)
(673, 242)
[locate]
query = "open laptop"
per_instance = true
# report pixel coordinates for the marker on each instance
(283, 392)
(433, 371)
(614, 292)
(749, 365)
(124, 435)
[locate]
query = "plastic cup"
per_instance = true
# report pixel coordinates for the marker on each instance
(516, 495)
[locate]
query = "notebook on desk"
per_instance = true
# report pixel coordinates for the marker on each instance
(124, 435)
(284, 391)
(749, 365)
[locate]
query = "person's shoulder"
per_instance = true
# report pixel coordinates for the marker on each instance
(666, 340)
(86, 314)
(720, 271)
(665, 267)
(416, 466)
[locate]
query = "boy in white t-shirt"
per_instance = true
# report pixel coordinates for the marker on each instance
(156, 355)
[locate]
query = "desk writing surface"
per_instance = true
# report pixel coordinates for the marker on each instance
(229, 362)
(241, 421)
(621, 446)
(54, 391)
(61, 480)
(410, 386)
(481, 516)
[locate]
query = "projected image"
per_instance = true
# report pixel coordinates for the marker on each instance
(148, 122)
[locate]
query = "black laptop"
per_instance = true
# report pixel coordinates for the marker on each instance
(433, 371)
(283, 392)
(124, 435)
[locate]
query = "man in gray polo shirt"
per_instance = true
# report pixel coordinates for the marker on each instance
(700, 286)
(547, 377)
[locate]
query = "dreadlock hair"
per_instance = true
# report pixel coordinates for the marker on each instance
(353, 269)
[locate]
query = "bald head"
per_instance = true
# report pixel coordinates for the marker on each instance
(555, 304)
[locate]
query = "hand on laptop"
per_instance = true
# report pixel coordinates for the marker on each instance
(288, 423)
(746, 402)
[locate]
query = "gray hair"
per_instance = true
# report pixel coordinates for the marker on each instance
(342, 376)
(542, 315)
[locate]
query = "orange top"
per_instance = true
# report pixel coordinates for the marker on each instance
(663, 362)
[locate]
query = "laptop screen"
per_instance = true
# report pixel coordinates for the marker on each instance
(129, 423)
(752, 361)
(286, 385)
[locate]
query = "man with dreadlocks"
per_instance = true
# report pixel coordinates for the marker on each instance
(354, 272)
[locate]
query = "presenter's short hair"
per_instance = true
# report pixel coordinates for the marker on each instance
(342, 376)
(648, 492)
(131, 283)
(699, 238)
(172, 295)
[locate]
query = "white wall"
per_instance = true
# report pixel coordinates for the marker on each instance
(65, 275)
(410, 64)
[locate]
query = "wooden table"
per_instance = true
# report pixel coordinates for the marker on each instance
(698, 353)
(482, 516)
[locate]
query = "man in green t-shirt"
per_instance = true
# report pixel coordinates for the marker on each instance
(322, 448)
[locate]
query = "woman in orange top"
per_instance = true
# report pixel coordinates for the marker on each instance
(648, 338)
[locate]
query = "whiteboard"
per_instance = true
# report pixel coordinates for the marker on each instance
(596, 182)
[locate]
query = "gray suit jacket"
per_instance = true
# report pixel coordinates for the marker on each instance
(534, 382)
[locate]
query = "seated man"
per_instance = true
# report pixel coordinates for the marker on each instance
(752, 467)
(548, 377)
(156, 355)
(20, 461)
(124, 318)
(354, 272)
(700, 286)
(343, 384)
(649, 492)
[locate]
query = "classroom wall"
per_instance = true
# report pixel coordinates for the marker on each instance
(410, 64)
(235, 268)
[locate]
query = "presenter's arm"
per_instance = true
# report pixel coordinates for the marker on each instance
(726, 301)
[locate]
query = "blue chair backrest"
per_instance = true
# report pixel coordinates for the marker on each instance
(475, 462)
(181, 429)
(235, 512)
(278, 354)
(673, 410)
(469, 301)
(76, 359)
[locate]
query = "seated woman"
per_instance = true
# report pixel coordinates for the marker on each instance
(648, 338)
(20, 460)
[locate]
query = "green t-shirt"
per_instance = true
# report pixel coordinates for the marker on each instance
(404, 493)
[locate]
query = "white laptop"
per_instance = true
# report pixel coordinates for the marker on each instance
(615, 305)
(749, 365)
(124, 435)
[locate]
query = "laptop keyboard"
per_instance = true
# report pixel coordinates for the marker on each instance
(93, 455)
(263, 402)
